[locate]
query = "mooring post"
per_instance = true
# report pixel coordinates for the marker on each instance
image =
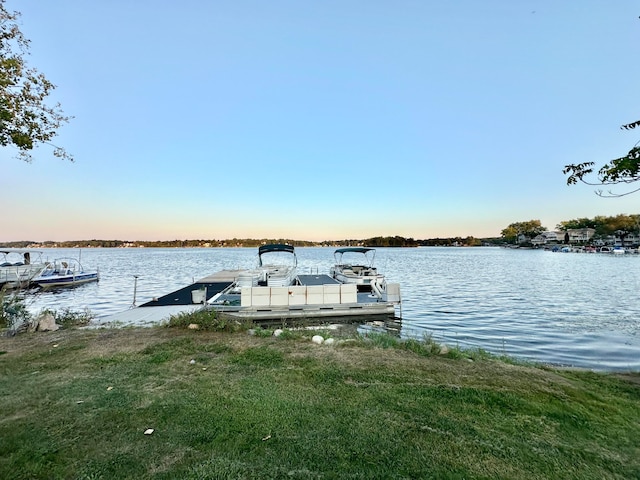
(135, 288)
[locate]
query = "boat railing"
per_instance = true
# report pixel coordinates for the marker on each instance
(308, 270)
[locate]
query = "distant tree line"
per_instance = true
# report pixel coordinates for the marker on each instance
(394, 241)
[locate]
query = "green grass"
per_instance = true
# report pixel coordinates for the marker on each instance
(76, 403)
(207, 319)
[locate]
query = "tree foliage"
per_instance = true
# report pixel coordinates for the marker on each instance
(530, 229)
(623, 170)
(26, 121)
(631, 126)
(621, 225)
(618, 171)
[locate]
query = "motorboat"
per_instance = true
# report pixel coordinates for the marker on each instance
(19, 266)
(615, 250)
(355, 265)
(277, 265)
(65, 272)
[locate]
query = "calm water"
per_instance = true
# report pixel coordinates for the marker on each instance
(562, 308)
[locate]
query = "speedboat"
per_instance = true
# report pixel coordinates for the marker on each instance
(19, 266)
(65, 272)
(355, 265)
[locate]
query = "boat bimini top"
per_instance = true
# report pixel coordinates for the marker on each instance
(364, 250)
(276, 247)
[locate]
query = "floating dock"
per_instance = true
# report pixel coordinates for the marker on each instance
(311, 297)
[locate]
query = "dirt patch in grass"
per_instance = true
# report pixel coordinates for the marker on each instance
(100, 342)
(633, 378)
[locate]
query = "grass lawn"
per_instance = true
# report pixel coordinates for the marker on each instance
(76, 404)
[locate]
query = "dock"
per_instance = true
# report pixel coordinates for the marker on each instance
(318, 297)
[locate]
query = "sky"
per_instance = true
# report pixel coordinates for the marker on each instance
(322, 120)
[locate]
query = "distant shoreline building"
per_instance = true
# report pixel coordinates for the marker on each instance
(580, 236)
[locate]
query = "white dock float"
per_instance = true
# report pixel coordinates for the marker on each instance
(301, 302)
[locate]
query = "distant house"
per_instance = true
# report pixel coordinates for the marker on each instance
(547, 237)
(580, 235)
(573, 235)
(630, 240)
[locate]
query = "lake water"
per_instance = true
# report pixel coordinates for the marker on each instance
(562, 308)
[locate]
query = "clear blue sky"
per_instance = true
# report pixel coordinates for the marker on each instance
(322, 120)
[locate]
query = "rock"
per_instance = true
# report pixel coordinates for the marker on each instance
(251, 331)
(192, 362)
(277, 332)
(47, 323)
(329, 341)
(317, 339)
(148, 431)
(193, 326)
(444, 350)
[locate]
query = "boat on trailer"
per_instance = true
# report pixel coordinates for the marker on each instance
(18, 266)
(354, 265)
(65, 272)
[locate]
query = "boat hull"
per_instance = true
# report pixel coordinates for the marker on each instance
(66, 280)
